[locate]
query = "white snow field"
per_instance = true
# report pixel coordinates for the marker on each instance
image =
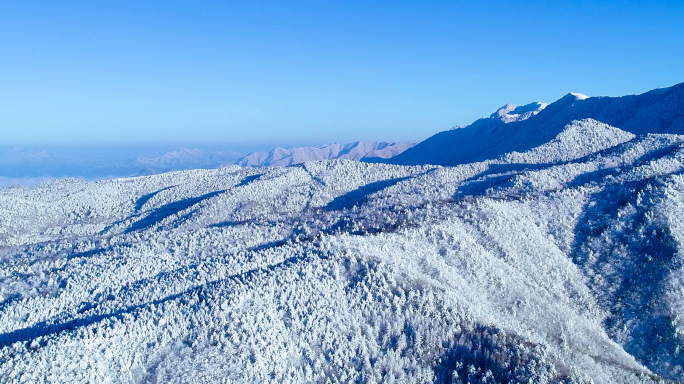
(558, 261)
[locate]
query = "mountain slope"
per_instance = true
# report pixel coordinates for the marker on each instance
(657, 111)
(578, 139)
(547, 265)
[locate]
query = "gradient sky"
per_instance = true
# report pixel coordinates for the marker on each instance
(304, 73)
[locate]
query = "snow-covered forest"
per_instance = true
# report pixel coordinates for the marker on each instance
(552, 258)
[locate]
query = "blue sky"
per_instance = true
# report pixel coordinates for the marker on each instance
(304, 73)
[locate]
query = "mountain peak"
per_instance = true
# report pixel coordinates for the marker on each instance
(510, 112)
(579, 96)
(657, 111)
(574, 96)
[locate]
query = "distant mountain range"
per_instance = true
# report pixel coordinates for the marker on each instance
(354, 151)
(21, 166)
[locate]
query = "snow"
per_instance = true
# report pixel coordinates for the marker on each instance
(510, 113)
(579, 96)
(557, 261)
(576, 140)
(297, 155)
(657, 111)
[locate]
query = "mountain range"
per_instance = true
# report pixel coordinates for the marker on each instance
(543, 244)
(298, 155)
(518, 129)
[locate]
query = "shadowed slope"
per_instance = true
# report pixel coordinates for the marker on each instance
(657, 111)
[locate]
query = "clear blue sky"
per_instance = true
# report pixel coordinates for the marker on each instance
(301, 73)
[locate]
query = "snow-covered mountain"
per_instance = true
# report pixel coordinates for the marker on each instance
(297, 155)
(557, 261)
(510, 113)
(521, 128)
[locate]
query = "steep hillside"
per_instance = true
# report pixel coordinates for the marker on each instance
(657, 111)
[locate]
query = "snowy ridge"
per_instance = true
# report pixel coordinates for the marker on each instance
(559, 261)
(657, 111)
(576, 140)
(346, 271)
(297, 155)
(510, 113)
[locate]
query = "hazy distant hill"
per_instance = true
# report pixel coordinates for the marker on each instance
(21, 166)
(297, 155)
(185, 158)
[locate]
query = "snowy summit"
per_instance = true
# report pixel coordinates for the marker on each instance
(510, 113)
